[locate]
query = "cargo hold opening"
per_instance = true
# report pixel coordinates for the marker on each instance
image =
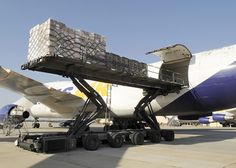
(175, 64)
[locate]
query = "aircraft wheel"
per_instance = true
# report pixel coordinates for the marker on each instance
(115, 140)
(168, 135)
(50, 125)
(91, 142)
(137, 138)
(224, 125)
(155, 136)
(36, 125)
(233, 125)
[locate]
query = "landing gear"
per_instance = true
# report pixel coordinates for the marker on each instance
(225, 124)
(233, 125)
(50, 124)
(36, 123)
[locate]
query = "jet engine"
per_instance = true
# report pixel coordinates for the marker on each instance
(12, 116)
(15, 112)
(222, 117)
(205, 120)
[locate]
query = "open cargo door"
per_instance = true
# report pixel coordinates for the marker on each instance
(175, 64)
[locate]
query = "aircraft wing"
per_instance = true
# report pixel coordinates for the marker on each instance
(37, 92)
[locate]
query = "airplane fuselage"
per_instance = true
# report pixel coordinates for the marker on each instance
(211, 74)
(211, 78)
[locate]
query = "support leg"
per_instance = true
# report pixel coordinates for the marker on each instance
(155, 133)
(85, 118)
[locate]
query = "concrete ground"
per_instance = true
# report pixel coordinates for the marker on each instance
(194, 147)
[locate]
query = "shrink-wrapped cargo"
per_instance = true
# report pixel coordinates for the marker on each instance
(54, 38)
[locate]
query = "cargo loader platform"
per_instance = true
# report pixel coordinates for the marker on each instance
(102, 70)
(78, 71)
(57, 49)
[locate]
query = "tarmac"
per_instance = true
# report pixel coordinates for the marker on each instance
(194, 147)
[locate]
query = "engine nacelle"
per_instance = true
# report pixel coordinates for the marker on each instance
(19, 112)
(13, 113)
(222, 117)
(205, 120)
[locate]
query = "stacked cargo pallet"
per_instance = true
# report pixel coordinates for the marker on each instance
(125, 65)
(53, 38)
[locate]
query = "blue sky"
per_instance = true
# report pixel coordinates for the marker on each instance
(131, 27)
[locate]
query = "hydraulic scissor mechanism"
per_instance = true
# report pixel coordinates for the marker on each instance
(144, 116)
(85, 118)
(145, 104)
(123, 130)
(144, 112)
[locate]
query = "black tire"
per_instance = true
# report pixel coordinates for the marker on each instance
(33, 125)
(155, 136)
(224, 125)
(91, 142)
(137, 138)
(36, 125)
(115, 140)
(168, 135)
(233, 125)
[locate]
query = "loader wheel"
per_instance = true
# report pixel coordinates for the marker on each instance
(91, 142)
(168, 135)
(155, 136)
(137, 138)
(115, 140)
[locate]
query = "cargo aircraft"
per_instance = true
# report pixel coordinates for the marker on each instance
(210, 79)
